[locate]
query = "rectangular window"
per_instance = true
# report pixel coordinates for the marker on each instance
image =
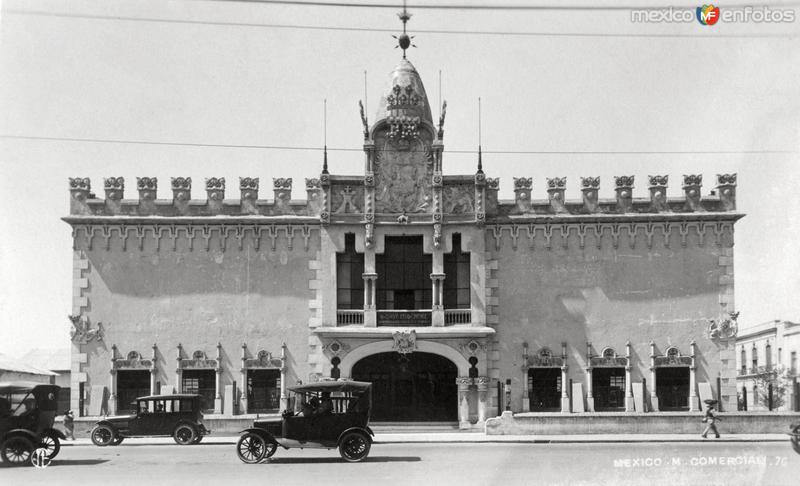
(457, 278)
(404, 271)
(793, 362)
(350, 276)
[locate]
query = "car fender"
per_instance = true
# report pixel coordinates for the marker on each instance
(55, 433)
(366, 431)
(195, 426)
(24, 432)
(264, 435)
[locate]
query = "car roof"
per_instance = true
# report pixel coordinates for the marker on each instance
(21, 386)
(168, 397)
(332, 386)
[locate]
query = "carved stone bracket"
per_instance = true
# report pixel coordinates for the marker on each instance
(82, 332)
(726, 328)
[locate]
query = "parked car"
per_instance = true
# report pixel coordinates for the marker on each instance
(795, 436)
(178, 416)
(340, 420)
(27, 413)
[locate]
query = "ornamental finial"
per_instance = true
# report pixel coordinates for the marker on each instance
(403, 40)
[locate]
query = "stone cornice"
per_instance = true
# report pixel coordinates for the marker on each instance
(451, 332)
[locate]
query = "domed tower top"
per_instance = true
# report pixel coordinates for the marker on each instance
(405, 95)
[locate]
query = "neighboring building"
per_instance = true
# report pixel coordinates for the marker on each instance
(57, 361)
(420, 282)
(770, 348)
(12, 369)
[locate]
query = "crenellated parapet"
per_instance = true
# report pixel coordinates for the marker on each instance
(624, 203)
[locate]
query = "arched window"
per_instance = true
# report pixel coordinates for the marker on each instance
(743, 361)
(768, 356)
(754, 357)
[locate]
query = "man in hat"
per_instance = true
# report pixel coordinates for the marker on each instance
(709, 419)
(69, 425)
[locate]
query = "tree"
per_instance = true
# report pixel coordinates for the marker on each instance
(776, 377)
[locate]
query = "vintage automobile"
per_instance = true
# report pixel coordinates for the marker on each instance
(795, 436)
(341, 420)
(177, 415)
(27, 413)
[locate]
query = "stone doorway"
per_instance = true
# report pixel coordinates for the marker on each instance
(413, 387)
(672, 388)
(544, 389)
(608, 386)
(131, 384)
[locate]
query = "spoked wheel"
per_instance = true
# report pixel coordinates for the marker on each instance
(51, 444)
(102, 435)
(17, 451)
(796, 439)
(117, 440)
(185, 434)
(271, 447)
(354, 446)
(251, 448)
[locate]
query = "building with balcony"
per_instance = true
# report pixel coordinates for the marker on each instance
(767, 355)
(454, 304)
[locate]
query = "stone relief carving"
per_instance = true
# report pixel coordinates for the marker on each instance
(133, 361)
(405, 342)
(81, 331)
(347, 199)
(263, 359)
(403, 179)
(459, 199)
(725, 329)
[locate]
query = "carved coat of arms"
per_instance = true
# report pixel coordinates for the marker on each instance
(403, 179)
(405, 342)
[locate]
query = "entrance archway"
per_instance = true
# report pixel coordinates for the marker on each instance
(412, 387)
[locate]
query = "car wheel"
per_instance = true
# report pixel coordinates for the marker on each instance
(271, 447)
(17, 450)
(354, 446)
(51, 444)
(184, 434)
(117, 440)
(102, 435)
(251, 448)
(197, 439)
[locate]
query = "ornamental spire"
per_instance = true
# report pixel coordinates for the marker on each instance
(403, 40)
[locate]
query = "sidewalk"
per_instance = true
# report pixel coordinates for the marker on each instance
(467, 437)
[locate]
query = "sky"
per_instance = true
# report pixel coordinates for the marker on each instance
(210, 85)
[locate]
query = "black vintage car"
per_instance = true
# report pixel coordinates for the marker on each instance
(178, 416)
(27, 413)
(330, 414)
(795, 436)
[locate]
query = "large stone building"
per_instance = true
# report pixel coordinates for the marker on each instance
(767, 355)
(421, 282)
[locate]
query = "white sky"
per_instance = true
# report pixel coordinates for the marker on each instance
(98, 78)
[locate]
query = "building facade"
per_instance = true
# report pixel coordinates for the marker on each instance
(454, 304)
(767, 355)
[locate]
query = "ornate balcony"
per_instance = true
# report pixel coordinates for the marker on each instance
(348, 317)
(457, 316)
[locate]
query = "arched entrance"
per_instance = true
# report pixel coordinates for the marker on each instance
(410, 387)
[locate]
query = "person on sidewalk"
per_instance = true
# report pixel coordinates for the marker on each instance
(709, 419)
(69, 425)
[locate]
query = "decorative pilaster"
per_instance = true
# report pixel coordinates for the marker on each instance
(325, 205)
(178, 369)
(653, 396)
(463, 383)
(115, 191)
(564, 382)
(623, 186)
(556, 188)
(243, 383)
(692, 185)
(284, 396)
(482, 383)
(437, 312)
(370, 314)
(726, 186)
(589, 395)
(526, 403)
(218, 381)
(590, 187)
(154, 371)
(248, 188)
(658, 193)
(629, 404)
(694, 400)
(480, 195)
(148, 188)
(181, 194)
(112, 382)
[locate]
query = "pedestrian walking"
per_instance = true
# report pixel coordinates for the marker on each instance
(709, 419)
(69, 425)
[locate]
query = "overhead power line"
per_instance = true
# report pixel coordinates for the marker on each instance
(354, 149)
(374, 29)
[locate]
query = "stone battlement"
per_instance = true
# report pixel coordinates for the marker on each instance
(346, 199)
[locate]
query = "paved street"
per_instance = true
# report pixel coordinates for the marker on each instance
(700, 463)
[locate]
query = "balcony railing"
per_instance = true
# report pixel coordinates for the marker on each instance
(457, 316)
(347, 317)
(758, 370)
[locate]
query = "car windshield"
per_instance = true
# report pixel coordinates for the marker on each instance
(17, 403)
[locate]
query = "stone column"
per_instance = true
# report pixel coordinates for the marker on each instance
(564, 383)
(370, 314)
(483, 396)
(437, 309)
(112, 386)
(243, 378)
(589, 395)
(178, 370)
(284, 397)
(653, 396)
(629, 405)
(526, 403)
(218, 381)
(694, 400)
(463, 383)
(154, 372)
